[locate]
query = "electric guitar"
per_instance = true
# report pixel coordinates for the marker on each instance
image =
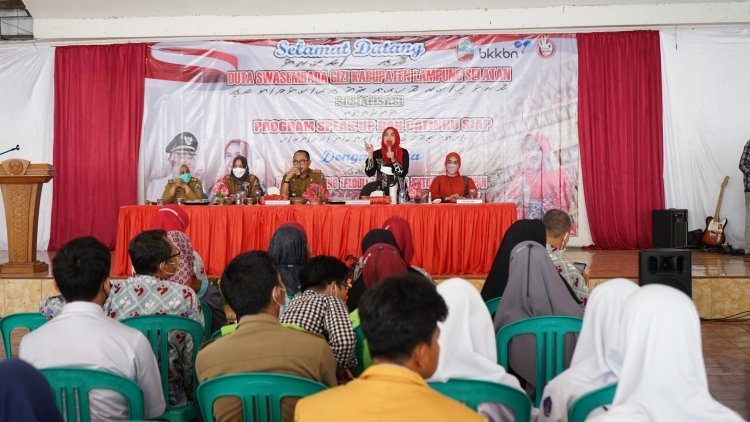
(714, 233)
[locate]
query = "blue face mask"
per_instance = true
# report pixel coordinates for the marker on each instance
(185, 177)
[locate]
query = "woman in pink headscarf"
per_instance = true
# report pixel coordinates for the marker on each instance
(402, 233)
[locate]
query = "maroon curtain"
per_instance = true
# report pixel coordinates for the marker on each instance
(620, 132)
(98, 115)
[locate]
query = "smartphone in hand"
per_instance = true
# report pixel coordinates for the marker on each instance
(580, 265)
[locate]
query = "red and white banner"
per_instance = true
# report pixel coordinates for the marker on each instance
(507, 104)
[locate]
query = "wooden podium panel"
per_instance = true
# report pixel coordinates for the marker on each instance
(21, 185)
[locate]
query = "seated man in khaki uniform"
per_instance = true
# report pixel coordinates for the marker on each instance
(253, 288)
(185, 187)
(301, 176)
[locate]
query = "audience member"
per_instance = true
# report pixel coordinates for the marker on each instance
(467, 343)
(519, 231)
(254, 290)
(597, 353)
(83, 336)
(663, 375)
(155, 259)
(321, 310)
(190, 272)
(289, 249)
(557, 227)
(402, 233)
(399, 319)
(371, 238)
(25, 395)
(534, 289)
(380, 261)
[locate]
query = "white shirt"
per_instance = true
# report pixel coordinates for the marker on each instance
(82, 336)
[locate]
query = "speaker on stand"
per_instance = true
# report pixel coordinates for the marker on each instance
(671, 267)
(669, 228)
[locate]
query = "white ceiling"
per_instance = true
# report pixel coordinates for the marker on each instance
(65, 9)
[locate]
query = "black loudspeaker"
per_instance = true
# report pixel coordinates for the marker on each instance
(669, 228)
(671, 267)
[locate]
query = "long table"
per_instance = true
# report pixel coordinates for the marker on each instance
(448, 238)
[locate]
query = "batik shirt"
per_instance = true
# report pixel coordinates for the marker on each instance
(570, 273)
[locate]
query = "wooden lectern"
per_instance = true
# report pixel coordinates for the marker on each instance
(21, 184)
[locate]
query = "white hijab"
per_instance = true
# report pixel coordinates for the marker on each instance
(597, 352)
(663, 376)
(467, 338)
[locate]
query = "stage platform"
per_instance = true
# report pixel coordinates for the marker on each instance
(721, 282)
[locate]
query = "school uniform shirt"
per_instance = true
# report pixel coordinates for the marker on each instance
(384, 392)
(569, 272)
(328, 317)
(261, 344)
(83, 336)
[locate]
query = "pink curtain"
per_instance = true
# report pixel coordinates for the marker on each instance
(620, 131)
(98, 115)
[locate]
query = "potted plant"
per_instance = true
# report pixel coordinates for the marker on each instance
(315, 194)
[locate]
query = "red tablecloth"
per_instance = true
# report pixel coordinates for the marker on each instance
(448, 238)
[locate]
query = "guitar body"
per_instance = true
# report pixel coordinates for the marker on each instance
(714, 233)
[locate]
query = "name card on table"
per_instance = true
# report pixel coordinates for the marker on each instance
(469, 201)
(357, 202)
(277, 202)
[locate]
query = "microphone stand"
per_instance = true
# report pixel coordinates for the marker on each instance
(16, 148)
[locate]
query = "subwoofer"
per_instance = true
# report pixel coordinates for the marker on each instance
(671, 267)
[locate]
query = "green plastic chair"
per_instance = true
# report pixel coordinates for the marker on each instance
(156, 329)
(261, 393)
(30, 320)
(580, 409)
(208, 318)
(71, 387)
(473, 392)
(361, 349)
(550, 345)
(492, 305)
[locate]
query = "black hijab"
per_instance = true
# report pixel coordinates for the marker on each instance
(246, 177)
(379, 236)
(520, 231)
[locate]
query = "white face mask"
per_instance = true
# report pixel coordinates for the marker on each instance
(451, 168)
(238, 172)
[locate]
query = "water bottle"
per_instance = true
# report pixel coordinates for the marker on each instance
(479, 194)
(401, 197)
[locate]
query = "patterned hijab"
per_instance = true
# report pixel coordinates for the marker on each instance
(186, 269)
(170, 217)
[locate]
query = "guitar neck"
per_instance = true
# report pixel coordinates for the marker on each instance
(717, 215)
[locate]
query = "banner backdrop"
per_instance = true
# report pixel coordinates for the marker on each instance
(506, 104)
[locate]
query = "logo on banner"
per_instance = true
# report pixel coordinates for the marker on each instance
(546, 47)
(363, 47)
(464, 50)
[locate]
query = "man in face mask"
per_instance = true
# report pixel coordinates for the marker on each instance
(557, 227)
(184, 187)
(253, 288)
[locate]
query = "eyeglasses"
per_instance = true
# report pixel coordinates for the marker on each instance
(295, 162)
(169, 259)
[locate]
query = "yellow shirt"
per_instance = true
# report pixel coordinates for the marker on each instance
(383, 393)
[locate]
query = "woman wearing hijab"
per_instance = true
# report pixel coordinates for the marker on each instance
(598, 352)
(534, 289)
(170, 217)
(25, 395)
(518, 232)
(663, 375)
(388, 164)
(402, 233)
(241, 180)
(289, 250)
(467, 343)
(452, 185)
(371, 238)
(190, 272)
